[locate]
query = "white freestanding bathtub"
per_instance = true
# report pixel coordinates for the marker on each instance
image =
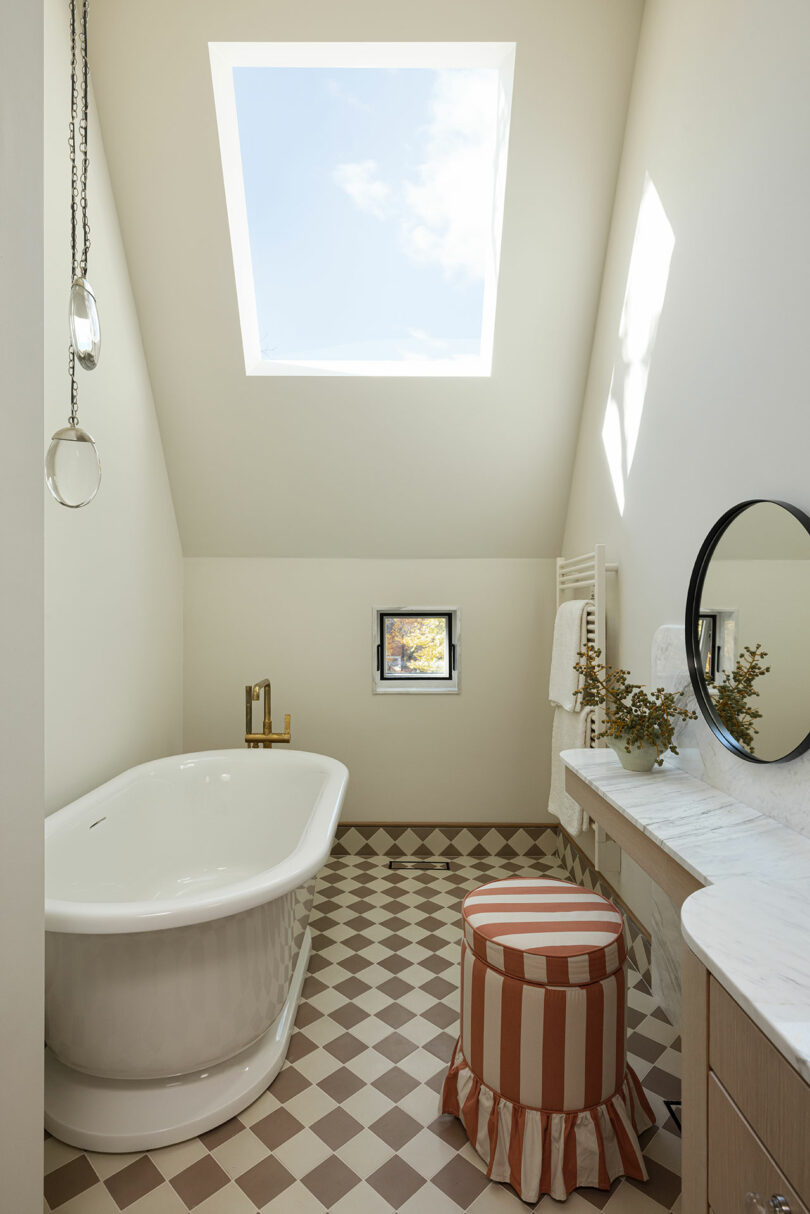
(177, 898)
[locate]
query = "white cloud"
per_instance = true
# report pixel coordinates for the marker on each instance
(446, 212)
(362, 183)
(426, 341)
(450, 204)
(337, 91)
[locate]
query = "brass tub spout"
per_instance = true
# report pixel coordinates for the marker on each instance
(266, 738)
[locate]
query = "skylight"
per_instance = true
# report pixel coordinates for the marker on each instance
(365, 186)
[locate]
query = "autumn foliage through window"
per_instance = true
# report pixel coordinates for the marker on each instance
(416, 646)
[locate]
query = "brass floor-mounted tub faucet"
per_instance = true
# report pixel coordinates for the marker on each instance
(266, 738)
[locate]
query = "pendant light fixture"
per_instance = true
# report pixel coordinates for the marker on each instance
(72, 466)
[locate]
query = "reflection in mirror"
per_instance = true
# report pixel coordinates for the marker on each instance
(750, 648)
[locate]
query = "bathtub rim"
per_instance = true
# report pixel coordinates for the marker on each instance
(70, 917)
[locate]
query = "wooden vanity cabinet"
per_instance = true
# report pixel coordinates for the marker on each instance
(746, 1111)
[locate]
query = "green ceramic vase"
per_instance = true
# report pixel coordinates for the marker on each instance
(640, 758)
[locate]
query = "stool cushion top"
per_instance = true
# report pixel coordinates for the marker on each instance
(546, 931)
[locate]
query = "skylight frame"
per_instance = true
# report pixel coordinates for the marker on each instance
(225, 56)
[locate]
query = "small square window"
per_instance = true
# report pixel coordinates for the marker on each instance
(416, 649)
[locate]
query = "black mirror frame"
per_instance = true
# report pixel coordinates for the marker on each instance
(692, 613)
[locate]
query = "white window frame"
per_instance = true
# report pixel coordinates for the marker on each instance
(381, 686)
(225, 56)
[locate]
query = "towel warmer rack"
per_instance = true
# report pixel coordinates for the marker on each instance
(585, 577)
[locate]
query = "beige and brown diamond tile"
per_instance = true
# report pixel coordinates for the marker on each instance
(162, 1200)
(317, 1065)
(240, 1153)
(58, 1153)
(265, 1181)
(384, 974)
(369, 1104)
(171, 1160)
(295, 1200)
(396, 1182)
(310, 1104)
(369, 1065)
(365, 1153)
(105, 1164)
(330, 1181)
(501, 1199)
(427, 1153)
(362, 1200)
(432, 1199)
(96, 1200)
(267, 1103)
(199, 1181)
(230, 1200)
(302, 1153)
(665, 1148)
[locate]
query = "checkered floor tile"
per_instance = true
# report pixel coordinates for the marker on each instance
(350, 1123)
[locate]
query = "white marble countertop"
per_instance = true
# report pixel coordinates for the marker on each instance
(710, 834)
(751, 925)
(753, 936)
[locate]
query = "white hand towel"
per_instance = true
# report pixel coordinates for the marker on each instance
(569, 732)
(570, 636)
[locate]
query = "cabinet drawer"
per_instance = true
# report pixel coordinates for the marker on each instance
(769, 1093)
(738, 1162)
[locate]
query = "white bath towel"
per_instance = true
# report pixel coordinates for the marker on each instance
(570, 636)
(569, 732)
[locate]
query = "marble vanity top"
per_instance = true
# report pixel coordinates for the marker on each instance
(710, 834)
(751, 926)
(753, 936)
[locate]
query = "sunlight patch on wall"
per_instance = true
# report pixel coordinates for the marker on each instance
(365, 186)
(645, 292)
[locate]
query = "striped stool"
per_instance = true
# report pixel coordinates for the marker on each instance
(539, 1076)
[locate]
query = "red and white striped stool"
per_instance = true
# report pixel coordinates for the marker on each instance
(539, 1075)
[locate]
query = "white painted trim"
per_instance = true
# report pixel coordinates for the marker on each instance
(22, 494)
(424, 686)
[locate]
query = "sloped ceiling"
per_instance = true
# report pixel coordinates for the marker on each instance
(264, 466)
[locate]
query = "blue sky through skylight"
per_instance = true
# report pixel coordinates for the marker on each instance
(370, 198)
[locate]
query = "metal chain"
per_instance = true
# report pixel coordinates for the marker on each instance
(79, 104)
(83, 140)
(74, 117)
(74, 388)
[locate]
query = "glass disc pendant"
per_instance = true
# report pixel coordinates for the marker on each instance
(72, 467)
(85, 334)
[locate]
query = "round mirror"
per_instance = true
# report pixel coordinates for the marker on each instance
(745, 645)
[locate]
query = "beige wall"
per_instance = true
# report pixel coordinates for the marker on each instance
(481, 755)
(21, 785)
(113, 642)
(717, 120)
(316, 454)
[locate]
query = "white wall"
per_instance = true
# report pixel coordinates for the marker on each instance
(478, 756)
(718, 120)
(113, 607)
(21, 784)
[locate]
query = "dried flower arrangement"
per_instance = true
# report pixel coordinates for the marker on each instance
(730, 697)
(635, 717)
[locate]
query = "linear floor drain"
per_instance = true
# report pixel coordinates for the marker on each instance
(672, 1105)
(421, 865)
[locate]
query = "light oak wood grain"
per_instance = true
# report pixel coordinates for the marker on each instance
(738, 1162)
(694, 1082)
(772, 1096)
